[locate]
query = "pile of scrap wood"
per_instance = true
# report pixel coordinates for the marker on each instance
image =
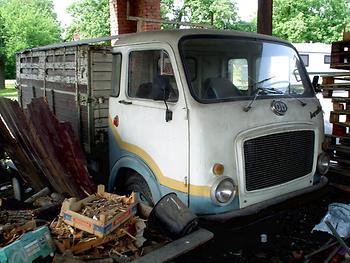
(44, 150)
(99, 226)
(102, 225)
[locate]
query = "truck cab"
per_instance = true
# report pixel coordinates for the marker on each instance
(227, 120)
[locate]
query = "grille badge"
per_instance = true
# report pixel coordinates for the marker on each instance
(279, 107)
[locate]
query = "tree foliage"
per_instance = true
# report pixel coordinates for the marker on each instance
(90, 19)
(313, 20)
(221, 14)
(218, 13)
(26, 24)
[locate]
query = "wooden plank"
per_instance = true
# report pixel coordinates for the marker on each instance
(336, 86)
(102, 93)
(61, 65)
(341, 99)
(84, 246)
(62, 150)
(341, 112)
(177, 247)
(101, 57)
(102, 76)
(18, 143)
(30, 65)
(101, 85)
(102, 67)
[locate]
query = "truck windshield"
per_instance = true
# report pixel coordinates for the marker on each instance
(221, 69)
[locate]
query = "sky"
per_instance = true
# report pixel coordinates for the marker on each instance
(246, 10)
(60, 7)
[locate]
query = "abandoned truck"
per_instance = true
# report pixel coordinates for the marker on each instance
(227, 120)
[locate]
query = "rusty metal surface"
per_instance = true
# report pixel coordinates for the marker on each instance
(50, 147)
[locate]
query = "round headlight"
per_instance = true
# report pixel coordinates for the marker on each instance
(323, 163)
(223, 191)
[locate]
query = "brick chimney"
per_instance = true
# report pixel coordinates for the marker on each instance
(137, 8)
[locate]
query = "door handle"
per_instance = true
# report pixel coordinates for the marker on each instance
(125, 102)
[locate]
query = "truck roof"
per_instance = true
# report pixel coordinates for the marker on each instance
(171, 36)
(175, 35)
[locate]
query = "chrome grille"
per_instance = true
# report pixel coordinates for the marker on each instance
(278, 158)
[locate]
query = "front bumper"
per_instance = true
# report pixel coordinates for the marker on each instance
(253, 209)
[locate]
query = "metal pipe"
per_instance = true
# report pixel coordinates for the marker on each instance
(337, 236)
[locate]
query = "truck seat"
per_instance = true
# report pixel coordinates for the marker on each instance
(220, 88)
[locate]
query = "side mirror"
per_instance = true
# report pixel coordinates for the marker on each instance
(161, 91)
(315, 84)
(160, 88)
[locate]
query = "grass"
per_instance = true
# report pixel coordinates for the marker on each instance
(9, 91)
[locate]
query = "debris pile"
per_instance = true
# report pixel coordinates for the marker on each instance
(99, 226)
(44, 150)
(66, 219)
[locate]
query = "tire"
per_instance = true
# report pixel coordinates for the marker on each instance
(135, 183)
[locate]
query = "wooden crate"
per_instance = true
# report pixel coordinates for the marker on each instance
(99, 226)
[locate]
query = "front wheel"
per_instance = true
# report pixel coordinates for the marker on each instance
(135, 183)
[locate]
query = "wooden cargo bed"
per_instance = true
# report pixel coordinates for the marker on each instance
(76, 81)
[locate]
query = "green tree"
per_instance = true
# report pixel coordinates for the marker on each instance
(26, 24)
(313, 20)
(221, 14)
(218, 13)
(90, 19)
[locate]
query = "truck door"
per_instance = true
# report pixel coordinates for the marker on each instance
(146, 133)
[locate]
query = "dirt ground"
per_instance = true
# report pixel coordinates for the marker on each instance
(287, 228)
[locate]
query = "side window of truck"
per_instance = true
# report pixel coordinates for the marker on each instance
(116, 71)
(144, 67)
(238, 72)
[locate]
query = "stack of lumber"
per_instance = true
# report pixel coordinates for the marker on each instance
(337, 88)
(44, 150)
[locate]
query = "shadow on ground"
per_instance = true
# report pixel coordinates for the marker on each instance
(287, 228)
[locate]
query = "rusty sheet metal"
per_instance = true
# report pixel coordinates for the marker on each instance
(44, 150)
(62, 148)
(16, 142)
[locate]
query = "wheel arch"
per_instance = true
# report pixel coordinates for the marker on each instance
(134, 163)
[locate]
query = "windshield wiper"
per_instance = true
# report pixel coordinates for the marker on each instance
(264, 80)
(261, 91)
(301, 102)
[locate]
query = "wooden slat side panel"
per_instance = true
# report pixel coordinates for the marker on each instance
(102, 66)
(84, 128)
(104, 94)
(105, 76)
(101, 77)
(101, 85)
(102, 56)
(59, 86)
(59, 65)
(65, 107)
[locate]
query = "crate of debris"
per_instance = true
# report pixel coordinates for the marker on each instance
(98, 214)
